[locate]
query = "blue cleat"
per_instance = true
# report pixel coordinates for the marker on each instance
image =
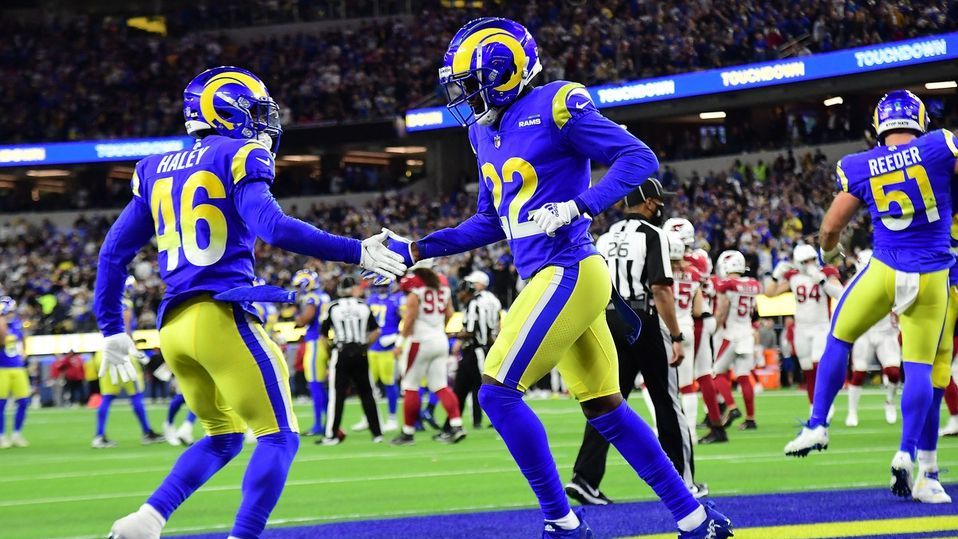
(552, 531)
(716, 526)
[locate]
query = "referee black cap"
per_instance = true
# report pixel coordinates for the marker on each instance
(650, 188)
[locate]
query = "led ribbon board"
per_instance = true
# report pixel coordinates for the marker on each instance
(744, 77)
(95, 151)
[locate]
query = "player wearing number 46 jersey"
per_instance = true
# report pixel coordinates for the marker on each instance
(534, 146)
(906, 184)
(206, 206)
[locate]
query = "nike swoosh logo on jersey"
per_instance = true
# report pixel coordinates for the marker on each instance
(581, 105)
(264, 161)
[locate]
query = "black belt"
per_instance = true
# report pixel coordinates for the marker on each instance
(640, 306)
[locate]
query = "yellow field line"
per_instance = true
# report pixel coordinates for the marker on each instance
(854, 528)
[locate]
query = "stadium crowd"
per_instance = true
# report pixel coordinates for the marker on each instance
(89, 77)
(759, 208)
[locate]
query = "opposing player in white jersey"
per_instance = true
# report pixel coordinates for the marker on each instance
(736, 352)
(423, 352)
(812, 286)
(686, 287)
(705, 331)
(881, 341)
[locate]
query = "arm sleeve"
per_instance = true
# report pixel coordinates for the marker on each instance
(132, 229)
(266, 219)
(658, 265)
(600, 139)
(327, 323)
(479, 230)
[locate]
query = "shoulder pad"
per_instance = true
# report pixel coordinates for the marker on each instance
(252, 160)
(571, 99)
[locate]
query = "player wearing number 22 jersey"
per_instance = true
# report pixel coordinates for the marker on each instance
(206, 206)
(534, 147)
(906, 184)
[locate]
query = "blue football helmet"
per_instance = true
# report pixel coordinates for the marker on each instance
(129, 285)
(305, 280)
(487, 65)
(234, 103)
(900, 109)
(7, 305)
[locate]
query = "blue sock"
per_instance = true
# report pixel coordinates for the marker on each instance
(138, 409)
(392, 398)
(264, 481)
(194, 467)
(175, 404)
(830, 379)
(23, 404)
(103, 413)
(928, 439)
(526, 439)
(625, 430)
(433, 400)
(3, 416)
(916, 397)
(190, 416)
(320, 402)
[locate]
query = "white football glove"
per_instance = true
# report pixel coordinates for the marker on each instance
(117, 350)
(554, 215)
(379, 259)
(780, 270)
(827, 257)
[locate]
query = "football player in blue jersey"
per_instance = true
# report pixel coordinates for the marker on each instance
(312, 300)
(534, 146)
(206, 205)
(905, 182)
(14, 380)
(133, 388)
(386, 306)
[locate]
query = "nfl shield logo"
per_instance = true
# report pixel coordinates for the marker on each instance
(497, 141)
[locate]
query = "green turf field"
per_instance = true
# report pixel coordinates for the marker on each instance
(60, 487)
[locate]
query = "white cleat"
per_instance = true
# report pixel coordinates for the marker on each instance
(902, 470)
(360, 426)
(951, 429)
(145, 523)
(808, 440)
(929, 490)
(852, 419)
(390, 425)
(18, 440)
(169, 432)
(5, 442)
(185, 433)
(891, 413)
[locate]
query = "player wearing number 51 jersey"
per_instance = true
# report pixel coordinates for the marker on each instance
(206, 206)
(534, 146)
(906, 184)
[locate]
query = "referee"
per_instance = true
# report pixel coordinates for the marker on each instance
(354, 329)
(480, 323)
(637, 253)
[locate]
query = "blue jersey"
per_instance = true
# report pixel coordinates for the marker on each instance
(540, 153)
(908, 191)
(320, 300)
(203, 244)
(387, 310)
(11, 355)
(953, 273)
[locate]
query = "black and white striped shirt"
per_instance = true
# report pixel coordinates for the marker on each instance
(481, 318)
(351, 320)
(637, 254)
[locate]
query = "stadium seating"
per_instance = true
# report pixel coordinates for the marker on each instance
(376, 70)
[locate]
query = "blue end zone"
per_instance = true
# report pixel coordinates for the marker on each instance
(640, 518)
